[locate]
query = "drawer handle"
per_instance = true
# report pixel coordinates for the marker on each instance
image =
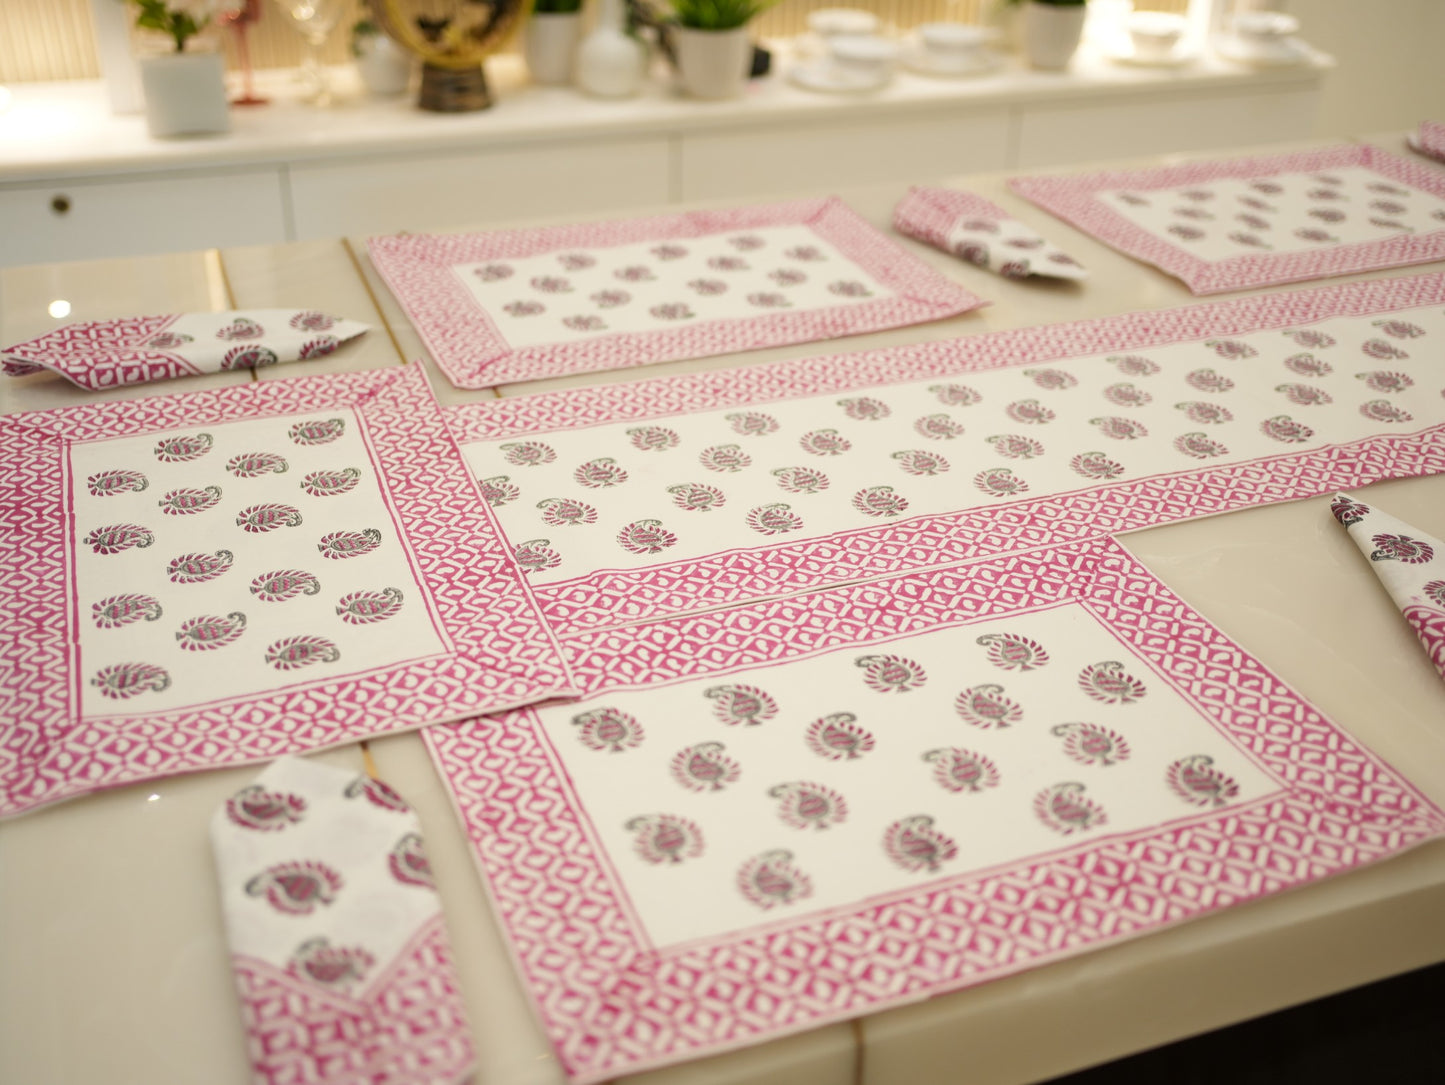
(60, 204)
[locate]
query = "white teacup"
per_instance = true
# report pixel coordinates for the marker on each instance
(862, 58)
(1155, 33)
(831, 22)
(1264, 28)
(955, 46)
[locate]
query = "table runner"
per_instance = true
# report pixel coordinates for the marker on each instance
(767, 818)
(230, 575)
(659, 497)
(1231, 224)
(513, 305)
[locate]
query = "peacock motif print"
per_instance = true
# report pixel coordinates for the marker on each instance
(645, 537)
(653, 438)
(1195, 780)
(1054, 380)
(1401, 548)
(297, 888)
(250, 356)
(806, 805)
(879, 501)
(986, 706)
(891, 673)
(337, 968)
(1090, 744)
(705, 767)
(665, 838)
(1208, 380)
(409, 864)
(824, 442)
(498, 490)
(1000, 482)
(608, 729)
(774, 519)
(527, 453)
(697, 497)
(377, 792)
(724, 459)
(1095, 465)
(1125, 394)
(1029, 412)
(1205, 414)
(801, 480)
(1065, 809)
(1307, 365)
(736, 703)
(1304, 395)
(536, 555)
(956, 395)
(1120, 429)
(1379, 348)
(566, 512)
(1012, 652)
(1348, 511)
(752, 423)
(1398, 329)
(1109, 683)
(962, 771)
(254, 807)
(838, 737)
(938, 427)
(600, 474)
(915, 845)
(865, 408)
(1285, 429)
(919, 462)
(1386, 381)
(772, 878)
(1382, 410)
(1014, 446)
(1199, 446)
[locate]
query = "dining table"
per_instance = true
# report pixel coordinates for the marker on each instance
(114, 964)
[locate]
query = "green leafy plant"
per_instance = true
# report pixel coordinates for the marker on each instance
(179, 21)
(556, 7)
(717, 14)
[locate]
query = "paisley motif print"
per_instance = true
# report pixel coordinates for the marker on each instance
(1090, 744)
(1066, 809)
(1110, 683)
(891, 673)
(184, 502)
(1348, 511)
(752, 423)
(645, 537)
(879, 501)
(1015, 447)
(1196, 781)
(801, 480)
(959, 770)
(865, 408)
(114, 538)
(653, 438)
(915, 845)
(209, 631)
(1383, 381)
(1307, 365)
(824, 442)
(291, 653)
(335, 967)
(806, 805)
(105, 483)
(1095, 465)
(1284, 428)
(938, 427)
(408, 862)
(774, 519)
(498, 490)
(1000, 482)
(736, 703)
(254, 807)
(297, 888)
(527, 453)
(608, 729)
(1401, 548)
(256, 464)
(920, 462)
(1014, 653)
(317, 431)
(331, 483)
(169, 340)
(349, 544)
(268, 517)
(566, 511)
(1133, 365)
(705, 767)
(183, 448)
(1029, 412)
(1231, 348)
(241, 328)
(697, 497)
(1311, 339)
(1127, 395)
(119, 610)
(1205, 414)
(1380, 410)
(986, 706)
(121, 681)
(772, 878)
(248, 357)
(1120, 429)
(198, 568)
(724, 458)
(377, 792)
(665, 838)
(367, 607)
(536, 555)
(599, 474)
(1399, 329)
(1053, 379)
(1304, 395)
(838, 737)
(312, 321)
(1199, 447)
(955, 395)
(1378, 348)
(1207, 380)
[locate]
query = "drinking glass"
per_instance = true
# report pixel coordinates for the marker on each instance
(315, 20)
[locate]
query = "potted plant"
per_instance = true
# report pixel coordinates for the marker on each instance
(1052, 29)
(384, 66)
(184, 89)
(549, 42)
(714, 54)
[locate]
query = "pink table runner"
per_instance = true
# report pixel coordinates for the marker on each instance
(737, 824)
(226, 576)
(1234, 224)
(514, 305)
(634, 501)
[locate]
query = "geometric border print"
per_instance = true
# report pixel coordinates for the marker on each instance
(499, 654)
(1076, 200)
(470, 348)
(613, 1003)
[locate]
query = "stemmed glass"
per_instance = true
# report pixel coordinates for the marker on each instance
(315, 20)
(238, 15)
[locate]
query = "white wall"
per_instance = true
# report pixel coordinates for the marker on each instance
(1391, 56)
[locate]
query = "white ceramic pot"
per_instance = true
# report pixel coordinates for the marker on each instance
(713, 63)
(549, 44)
(185, 94)
(611, 63)
(384, 66)
(1052, 33)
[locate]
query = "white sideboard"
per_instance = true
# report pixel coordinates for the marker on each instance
(77, 182)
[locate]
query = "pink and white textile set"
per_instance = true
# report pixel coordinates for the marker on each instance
(981, 232)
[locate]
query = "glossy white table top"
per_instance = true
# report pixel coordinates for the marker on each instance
(114, 966)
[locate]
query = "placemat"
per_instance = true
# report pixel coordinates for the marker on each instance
(634, 501)
(513, 305)
(767, 818)
(1232, 224)
(226, 576)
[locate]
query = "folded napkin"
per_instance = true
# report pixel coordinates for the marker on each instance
(339, 949)
(109, 353)
(1429, 140)
(980, 232)
(1411, 565)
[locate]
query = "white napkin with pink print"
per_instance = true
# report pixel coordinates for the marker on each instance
(1410, 563)
(338, 945)
(1429, 140)
(101, 354)
(973, 229)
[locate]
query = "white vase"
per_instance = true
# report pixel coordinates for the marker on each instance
(185, 94)
(549, 44)
(1051, 33)
(611, 63)
(384, 66)
(713, 63)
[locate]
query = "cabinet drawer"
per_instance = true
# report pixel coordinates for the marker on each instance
(92, 219)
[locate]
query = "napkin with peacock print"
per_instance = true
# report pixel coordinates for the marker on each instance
(1409, 563)
(982, 233)
(132, 350)
(338, 943)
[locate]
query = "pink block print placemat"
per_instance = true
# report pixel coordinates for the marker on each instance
(1239, 223)
(514, 305)
(226, 576)
(631, 502)
(764, 819)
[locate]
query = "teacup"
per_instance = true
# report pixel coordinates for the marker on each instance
(862, 58)
(955, 46)
(1264, 29)
(831, 22)
(1155, 34)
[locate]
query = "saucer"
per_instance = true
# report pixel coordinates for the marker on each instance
(1284, 53)
(917, 59)
(1177, 57)
(822, 76)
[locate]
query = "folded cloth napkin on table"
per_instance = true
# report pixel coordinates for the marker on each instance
(1429, 140)
(1411, 565)
(980, 232)
(340, 953)
(109, 353)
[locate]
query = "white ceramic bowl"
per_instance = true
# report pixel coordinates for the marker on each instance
(863, 55)
(831, 22)
(1154, 34)
(1264, 27)
(955, 39)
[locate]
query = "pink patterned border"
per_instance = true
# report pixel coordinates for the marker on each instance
(502, 654)
(409, 1025)
(469, 349)
(1072, 199)
(99, 354)
(617, 597)
(929, 214)
(612, 1004)
(1429, 140)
